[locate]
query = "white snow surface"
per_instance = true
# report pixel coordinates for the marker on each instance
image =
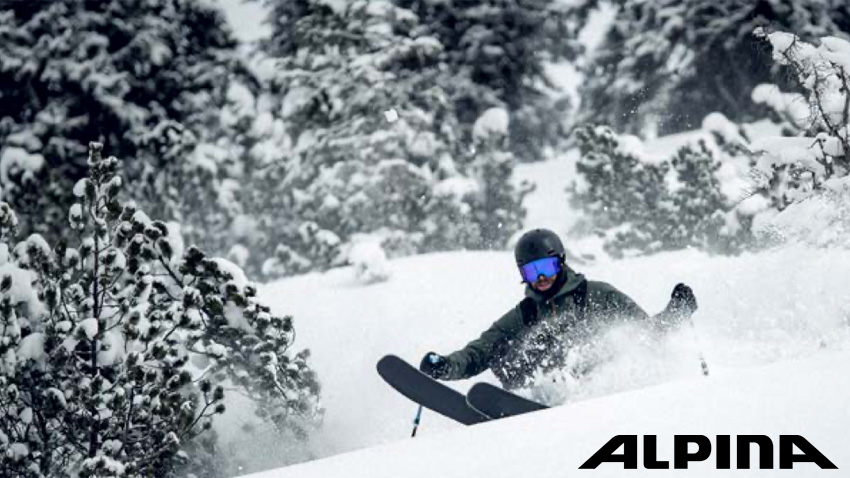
(547, 205)
(556, 442)
(772, 326)
(369, 261)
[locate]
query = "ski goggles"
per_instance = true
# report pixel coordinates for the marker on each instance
(546, 267)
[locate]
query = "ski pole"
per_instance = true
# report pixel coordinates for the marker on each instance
(704, 364)
(416, 421)
(702, 361)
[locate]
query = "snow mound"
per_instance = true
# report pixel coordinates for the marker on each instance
(558, 441)
(369, 261)
(755, 310)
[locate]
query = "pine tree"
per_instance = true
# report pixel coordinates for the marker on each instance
(375, 139)
(619, 191)
(696, 199)
(146, 78)
(665, 65)
(502, 47)
(497, 204)
(634, 204)
(115, 347)
(804, 174)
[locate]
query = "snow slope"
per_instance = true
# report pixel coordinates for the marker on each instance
(807, 397)
(774, 328)
(757, 313)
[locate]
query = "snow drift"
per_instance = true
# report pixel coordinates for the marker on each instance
(805, 397)
(772, 326)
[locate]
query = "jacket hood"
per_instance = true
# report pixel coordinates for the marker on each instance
(574, 279)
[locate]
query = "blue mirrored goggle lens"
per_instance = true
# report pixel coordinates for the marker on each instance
(547, 267)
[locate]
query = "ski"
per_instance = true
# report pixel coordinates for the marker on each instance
(426, 391)
(496, 403)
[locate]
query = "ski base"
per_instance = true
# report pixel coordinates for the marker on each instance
(426, 391)
(496, 403)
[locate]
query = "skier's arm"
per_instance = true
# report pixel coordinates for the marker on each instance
(476, 356)
(610, 302)
(683, 303)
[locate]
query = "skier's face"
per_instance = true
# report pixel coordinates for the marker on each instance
(541, 273)
(542, 284)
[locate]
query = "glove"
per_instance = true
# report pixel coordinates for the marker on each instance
(682, 301)
(434, 365)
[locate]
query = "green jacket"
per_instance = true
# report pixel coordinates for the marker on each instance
(537, 332)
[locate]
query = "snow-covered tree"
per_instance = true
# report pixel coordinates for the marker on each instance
(665, 65)
(502, 46)
(697, 200)
(146, 78)
(376, 143)
(618, 190)
(646, 204)
(115, 344)
(209, 189)
(497, 204)
(807, 175)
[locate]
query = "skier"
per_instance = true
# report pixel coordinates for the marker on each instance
(561, 310)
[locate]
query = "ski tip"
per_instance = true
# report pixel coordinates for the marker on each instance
(483, 386)
(382, 361)
(387, 362)
(389, 358)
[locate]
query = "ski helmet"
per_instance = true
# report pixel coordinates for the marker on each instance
(537, 244)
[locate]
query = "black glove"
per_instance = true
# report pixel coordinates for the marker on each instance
(434, 365)
(682, 301)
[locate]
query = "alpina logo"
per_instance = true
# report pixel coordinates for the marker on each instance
(685, 452)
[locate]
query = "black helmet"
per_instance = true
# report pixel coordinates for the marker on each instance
(537, 244)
